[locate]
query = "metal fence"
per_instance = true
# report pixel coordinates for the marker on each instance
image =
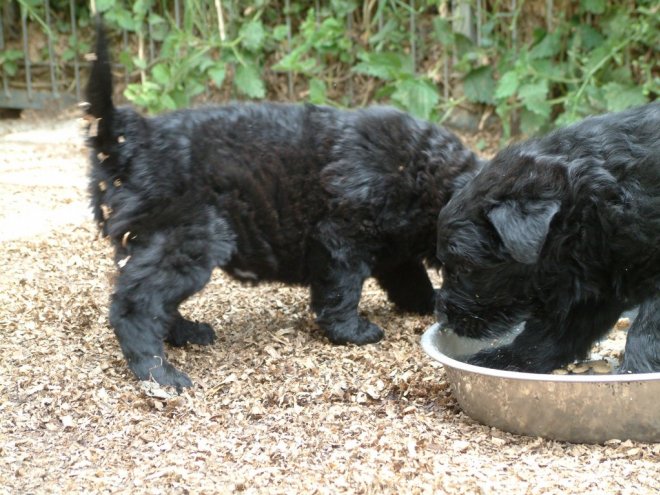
(53, 77)
(28, 83)
(37, 69)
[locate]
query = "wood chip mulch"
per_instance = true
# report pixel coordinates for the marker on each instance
(275, 407)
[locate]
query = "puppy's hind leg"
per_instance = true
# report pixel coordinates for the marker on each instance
(157, 277)
(642, 353)
(408, 286)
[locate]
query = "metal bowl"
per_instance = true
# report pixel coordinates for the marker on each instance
(572, 408)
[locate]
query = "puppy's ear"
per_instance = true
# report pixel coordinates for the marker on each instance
(523, 227)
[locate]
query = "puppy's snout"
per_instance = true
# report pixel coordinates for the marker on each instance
(441, 309)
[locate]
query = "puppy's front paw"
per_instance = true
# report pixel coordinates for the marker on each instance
(158, 369)
(368, 333)
(184, 332)
(501, 359)
(360, 332)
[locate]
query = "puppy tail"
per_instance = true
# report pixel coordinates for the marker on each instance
(100, 109)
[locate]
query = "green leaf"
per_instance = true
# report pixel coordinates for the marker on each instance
(343, 7)
(620, 26)
(566, 118)
(531, 122)
(253, 35)
(159, 27)
(443, 31)
(389, 35)
(10, 55)
(589, 36)
(148, 95)
(126, 59)
(105, 5)
(478, 85)
(540, 107)
(507, 85)
(547, 69)
(317, 91)
(217, 74)
(533, 91)
(141, 7)
(176, 99)
(280, 32)
(549, 46)
(10, 67)
(418, 96)
(386, 65)
(593, 6)
(295, 62)
(619, 96)
(534, 98)
(125, 20)
(167, 103)
(194, 88)
(202, 62)
(248, 81)
(161, 74)
(140, 63)
(596, 58)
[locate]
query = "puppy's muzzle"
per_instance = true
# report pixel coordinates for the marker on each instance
(441, 309)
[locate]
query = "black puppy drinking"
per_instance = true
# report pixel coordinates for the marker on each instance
(562, 232)
(304, 195)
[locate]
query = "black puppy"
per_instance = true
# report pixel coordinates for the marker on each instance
(299, 194)
(562, 232)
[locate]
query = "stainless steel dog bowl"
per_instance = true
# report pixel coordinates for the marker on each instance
(572, 408)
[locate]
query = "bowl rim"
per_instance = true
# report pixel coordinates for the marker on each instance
(427, 342)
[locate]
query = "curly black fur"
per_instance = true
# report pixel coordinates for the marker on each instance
(299, 194)
(563, 232)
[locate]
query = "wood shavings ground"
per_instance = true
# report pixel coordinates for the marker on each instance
(275, 408)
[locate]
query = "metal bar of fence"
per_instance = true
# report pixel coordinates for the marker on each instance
(349, 25)
(413, 37)
(124, 41)
(152, 48)
(5, 81)
(76, 60)
(317, 18)
(26, 52)
(514, 26)
(478, 22)
(379, 15)
(51, 57)
(177, 13)
(287, 7)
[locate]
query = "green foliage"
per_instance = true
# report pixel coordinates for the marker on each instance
(8, 61)
(599, 56)
(580, 69)
(413, 92)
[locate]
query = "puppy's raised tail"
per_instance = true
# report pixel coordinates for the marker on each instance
(100, 109)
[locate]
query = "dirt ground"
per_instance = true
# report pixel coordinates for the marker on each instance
(275, 408)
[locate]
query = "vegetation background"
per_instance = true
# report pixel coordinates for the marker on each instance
(528, 64)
